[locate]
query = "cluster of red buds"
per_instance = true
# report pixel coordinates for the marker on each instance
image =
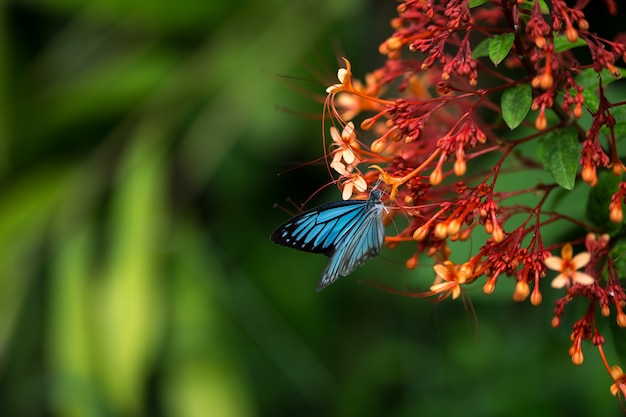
(474, 91)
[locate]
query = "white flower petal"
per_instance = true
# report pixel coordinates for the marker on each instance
(339, 167)
(582, 278)
(347, 191)
(560, 281)
(441, 272)
(334, 134)
(581, 260)
(554, 263)
(333, 87)
(348, 156)
(348, 131)
(360, 183)
(341, 74)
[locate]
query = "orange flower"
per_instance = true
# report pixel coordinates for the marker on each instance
(345, 83)
(354, 181)
(449, 279)
(568, 266)
(620, 381)
(345, 161)
(344, 142)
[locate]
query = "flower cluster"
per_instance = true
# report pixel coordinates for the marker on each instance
(442, 151)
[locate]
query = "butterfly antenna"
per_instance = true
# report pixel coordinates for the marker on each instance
(377, 184)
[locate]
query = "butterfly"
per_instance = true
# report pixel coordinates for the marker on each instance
(349, 232)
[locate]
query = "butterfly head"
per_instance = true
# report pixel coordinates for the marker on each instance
(376, 195)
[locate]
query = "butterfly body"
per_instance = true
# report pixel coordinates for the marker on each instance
(349, 232)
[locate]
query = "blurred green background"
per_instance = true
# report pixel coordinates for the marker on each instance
(140, 147)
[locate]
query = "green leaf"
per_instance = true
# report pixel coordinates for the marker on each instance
(129, 297)
(591, 99)
(476, 3)
(559, 151)
(589, 79)
(482, 49)
(516, 103)
(618, 254)
(69, 317)
(619, 113)
(527, 5)
(562, 44)
(499, 47)
(599, 198)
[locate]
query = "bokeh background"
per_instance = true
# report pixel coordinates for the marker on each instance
(141, 144)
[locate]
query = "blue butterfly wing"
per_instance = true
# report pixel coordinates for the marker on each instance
(361, 243)
(319, 229)
(349, 232)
